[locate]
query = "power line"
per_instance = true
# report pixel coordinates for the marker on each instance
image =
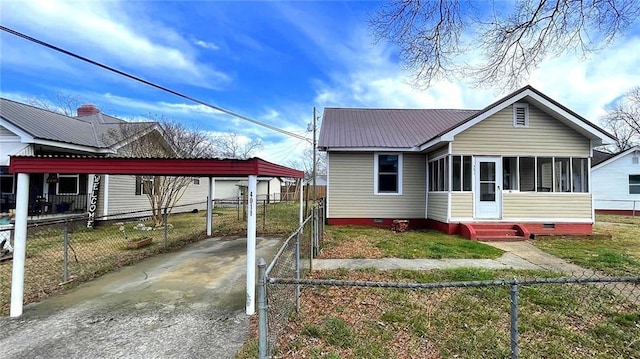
(149, 83)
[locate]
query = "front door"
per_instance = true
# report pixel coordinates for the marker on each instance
(488, 187)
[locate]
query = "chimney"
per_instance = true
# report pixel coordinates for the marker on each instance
(87, 110)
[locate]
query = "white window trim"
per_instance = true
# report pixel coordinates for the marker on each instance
(525, 106)
(77, 177)
(376, 175)
(629, 184)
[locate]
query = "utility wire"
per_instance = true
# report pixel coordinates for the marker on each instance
(159, 87)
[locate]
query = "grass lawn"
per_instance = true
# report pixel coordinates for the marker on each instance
(368, 242)
(617, 256)
(555, 321)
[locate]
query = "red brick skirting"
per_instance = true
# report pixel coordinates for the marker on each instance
(457, 228)
(621, 212)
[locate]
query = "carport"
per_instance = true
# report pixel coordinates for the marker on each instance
(250, 168)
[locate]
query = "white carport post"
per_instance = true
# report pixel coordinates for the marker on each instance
(210, 206)
(19, 245)
(301, 210)
(251, 245)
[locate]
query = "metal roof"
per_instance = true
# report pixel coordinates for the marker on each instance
(149, 166)
(91, 131)
(352, 128)
(385, 128)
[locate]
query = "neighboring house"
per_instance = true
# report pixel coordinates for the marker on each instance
(230, 189)
(519, 166)
(28, 130)
(615, 181)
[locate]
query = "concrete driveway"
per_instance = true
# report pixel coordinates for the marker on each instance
(185, 304)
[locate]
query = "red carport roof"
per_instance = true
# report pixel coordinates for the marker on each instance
(149, 166)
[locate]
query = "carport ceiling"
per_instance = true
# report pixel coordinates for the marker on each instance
(150, 166)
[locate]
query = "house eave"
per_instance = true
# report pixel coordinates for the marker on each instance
(370, 149)
(616, 157)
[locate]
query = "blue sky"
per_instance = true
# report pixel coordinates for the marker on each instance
(271, 61)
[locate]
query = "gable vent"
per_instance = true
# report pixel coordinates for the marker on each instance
(520, 115)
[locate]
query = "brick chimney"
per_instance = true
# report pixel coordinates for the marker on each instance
(87, 110)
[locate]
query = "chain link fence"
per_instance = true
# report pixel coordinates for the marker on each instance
(293, 260)
(516, 313)
(62, 251)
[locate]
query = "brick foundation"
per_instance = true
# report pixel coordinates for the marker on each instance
(456, 228)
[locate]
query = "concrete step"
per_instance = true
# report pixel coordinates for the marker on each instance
(497, 232)
(500, 238)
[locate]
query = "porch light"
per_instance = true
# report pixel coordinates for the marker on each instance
(53, 178)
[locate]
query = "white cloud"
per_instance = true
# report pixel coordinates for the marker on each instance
(107, 31)
(206, 45)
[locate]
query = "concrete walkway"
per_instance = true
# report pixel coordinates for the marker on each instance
(518, 255)
(506, 261)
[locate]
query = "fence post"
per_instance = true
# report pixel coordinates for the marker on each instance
(315, 231)
(166, 227)
(298, 236)
(264, 215)
(263, 328)
(514, 320)
(65, 237)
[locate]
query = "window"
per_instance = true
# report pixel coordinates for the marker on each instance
(456, 182)
(388, 176)
(634, 184)
(144, 185)
(467, 171)
(580, 172)
(510, 173)
(527, 174)
(196, 181)
(520, 115)
(544, 175)
(462, 172)
(7, 183)
(68, 184)
(562, 172)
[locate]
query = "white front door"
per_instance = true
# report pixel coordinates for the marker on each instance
(488, 187)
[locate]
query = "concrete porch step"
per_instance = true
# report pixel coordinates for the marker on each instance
(489, 238)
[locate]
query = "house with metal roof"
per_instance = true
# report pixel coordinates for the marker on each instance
(517, 167)
(27, 130)
(615, 180)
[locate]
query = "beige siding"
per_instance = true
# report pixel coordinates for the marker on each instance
(461, 205)
(437, 206)
(544, 136)
(352, 194)
(546, 206)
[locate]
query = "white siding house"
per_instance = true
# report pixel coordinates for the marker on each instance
(616, 183)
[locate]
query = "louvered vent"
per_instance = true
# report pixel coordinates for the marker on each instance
(520, 115)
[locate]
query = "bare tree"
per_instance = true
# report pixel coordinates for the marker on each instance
(436, 37)
(231, 145)
(160, 140)
(305, 163)
(59, 102)
(623, 120)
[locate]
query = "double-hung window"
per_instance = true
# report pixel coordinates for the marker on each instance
(388, 173)
(634, 184)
